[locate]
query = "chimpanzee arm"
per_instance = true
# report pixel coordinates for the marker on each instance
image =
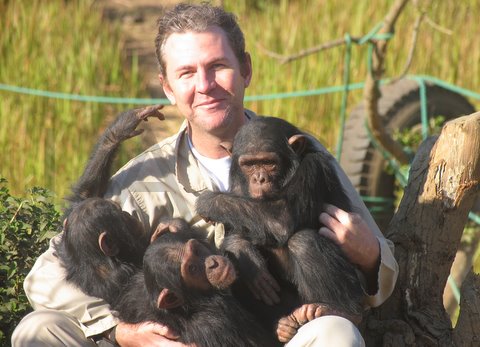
(252, 267)
(93, 182)
(318, 183)
(264, 223)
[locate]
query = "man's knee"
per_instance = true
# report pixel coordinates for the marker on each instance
(328, 331)
(49, 328)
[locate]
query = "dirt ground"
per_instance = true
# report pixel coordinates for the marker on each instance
(138, 21)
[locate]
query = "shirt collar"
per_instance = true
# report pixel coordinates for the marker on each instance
(187, 168)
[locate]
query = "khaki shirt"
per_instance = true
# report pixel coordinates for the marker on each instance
(163, 182)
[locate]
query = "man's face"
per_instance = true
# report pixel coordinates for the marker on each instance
(204, 79)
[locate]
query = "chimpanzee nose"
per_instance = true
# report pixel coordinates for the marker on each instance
(260, 178)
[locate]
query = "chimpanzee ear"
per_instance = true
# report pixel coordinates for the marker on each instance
(298, 143)
(168, 300)
(108, 248)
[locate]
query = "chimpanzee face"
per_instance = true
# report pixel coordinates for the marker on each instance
(202, 270)
(177, 266)
(263, 173)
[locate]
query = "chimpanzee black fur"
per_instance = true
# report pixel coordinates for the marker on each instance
(279, 182)
(173, 289)
(101, 245)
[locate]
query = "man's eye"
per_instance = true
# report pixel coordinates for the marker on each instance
(185, 74)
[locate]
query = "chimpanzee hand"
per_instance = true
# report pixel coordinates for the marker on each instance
(173, 225)
(126, 123)
(355, 238)
(146, 334)
(287, 326)
(264, 287)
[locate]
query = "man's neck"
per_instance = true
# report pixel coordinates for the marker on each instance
(215, 145)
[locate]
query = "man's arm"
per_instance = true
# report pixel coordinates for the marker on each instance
(47, 288)
(357, 240)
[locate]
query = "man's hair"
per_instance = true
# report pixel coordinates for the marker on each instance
(198, 18)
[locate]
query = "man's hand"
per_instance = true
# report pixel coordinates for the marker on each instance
(355, 238)
(145, 334)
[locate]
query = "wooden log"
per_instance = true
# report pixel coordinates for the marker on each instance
(426, 230)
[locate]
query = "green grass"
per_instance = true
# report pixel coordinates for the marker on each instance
(288, 26)
(65, 46)
(57, 46)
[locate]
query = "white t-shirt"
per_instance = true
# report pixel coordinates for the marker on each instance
(218, 170)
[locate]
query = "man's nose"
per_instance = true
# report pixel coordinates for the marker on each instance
(205, 81)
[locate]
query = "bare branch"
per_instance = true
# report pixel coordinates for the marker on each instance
(371, 89)
(430, 21)
(438, 27)
(413, 45)
(283, 59)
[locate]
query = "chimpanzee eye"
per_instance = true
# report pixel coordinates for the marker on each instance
(192, 268)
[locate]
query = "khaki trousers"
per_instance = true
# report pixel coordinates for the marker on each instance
(55, 328)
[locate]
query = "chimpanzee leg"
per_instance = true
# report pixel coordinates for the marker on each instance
(322, 274)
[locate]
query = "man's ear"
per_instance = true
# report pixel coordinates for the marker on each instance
(298, 143)
(166, 89)
(168, 300)
(109, 248)
(246, 70)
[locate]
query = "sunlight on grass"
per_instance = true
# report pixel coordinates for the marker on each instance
(56, 46)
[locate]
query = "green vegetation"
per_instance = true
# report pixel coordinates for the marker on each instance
(287, 27)
(26, 225)
(61, 46)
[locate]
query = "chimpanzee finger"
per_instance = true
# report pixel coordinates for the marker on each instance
(151, 111)
(253, 290)
(264, 296)
(272, 282)
(286, 329)
(313, 311)
(268, 288)
(261, 292)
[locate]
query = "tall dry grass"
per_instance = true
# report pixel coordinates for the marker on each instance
(62, 46)
(65, 46)
(290, 26)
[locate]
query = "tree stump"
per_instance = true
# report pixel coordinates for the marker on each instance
(443, 185)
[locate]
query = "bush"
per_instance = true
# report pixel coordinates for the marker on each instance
(26, 226)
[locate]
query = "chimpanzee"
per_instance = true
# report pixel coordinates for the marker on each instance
(184, 284)
(279, 182)
(101, 245)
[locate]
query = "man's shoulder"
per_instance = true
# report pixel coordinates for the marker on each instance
(156, 161)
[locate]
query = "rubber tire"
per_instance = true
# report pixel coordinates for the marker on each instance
(399, 107)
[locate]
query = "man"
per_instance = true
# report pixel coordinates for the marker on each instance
(204, 70)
